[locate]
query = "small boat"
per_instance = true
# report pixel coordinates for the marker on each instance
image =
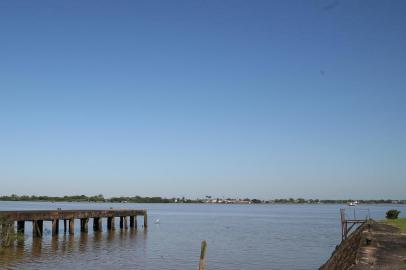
(156, 221)
(354, 203)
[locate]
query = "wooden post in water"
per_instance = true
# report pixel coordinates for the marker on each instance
(20, 226)
(123, 223)
(202, 255)
(37, 226)
(97, 224)
(145, 219)
(64, 226)
(131, 222)
(72, 226)
(84, 225)
(55, 226)
(110, 223)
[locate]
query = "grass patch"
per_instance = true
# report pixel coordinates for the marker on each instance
(400, 223)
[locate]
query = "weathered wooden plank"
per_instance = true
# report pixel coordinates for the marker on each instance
(202, 261)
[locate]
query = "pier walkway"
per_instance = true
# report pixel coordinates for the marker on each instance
(37, 218)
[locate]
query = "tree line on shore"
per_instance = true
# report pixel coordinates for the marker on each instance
(95, 198)
(208, 199)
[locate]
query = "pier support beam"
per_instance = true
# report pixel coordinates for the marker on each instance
(55, 227)
(131, 222)
(145, 219)
(84, 227)
(123, 223)
(71, 226)
(110, 223)
(64, 226)
(20, 226)
(37, 228)
(97, 224)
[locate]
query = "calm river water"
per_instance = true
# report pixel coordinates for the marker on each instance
(238, 236)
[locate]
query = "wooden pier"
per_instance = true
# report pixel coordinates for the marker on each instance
(37, 217)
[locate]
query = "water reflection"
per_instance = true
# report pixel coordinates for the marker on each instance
(36, 247)
(54, 244)
(83, 240)
(63, 246)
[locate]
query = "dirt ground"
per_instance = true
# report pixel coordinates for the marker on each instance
(383, 247)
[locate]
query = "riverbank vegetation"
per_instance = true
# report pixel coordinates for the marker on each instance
(84, 198)
(207, 199)
(8, 234)
(399, 223)
(392, 214)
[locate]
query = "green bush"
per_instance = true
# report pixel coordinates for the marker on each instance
(392, 214)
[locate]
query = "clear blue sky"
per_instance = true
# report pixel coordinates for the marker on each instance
(189, 98)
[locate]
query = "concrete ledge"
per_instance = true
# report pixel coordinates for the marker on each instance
(371, 246)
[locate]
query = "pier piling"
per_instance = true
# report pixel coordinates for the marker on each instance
(37, 228)
(20, 226)
(131, 222)
(55, 226)
(123, 223)
(84, 225)
(97, 224)
(202, 262)
(111, 223)
(72, 226)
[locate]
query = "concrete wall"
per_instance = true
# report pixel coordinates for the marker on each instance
(345, 254)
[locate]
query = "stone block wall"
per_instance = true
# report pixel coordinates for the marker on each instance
(345, 254)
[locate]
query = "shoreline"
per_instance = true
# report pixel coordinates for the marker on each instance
(208, 203)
